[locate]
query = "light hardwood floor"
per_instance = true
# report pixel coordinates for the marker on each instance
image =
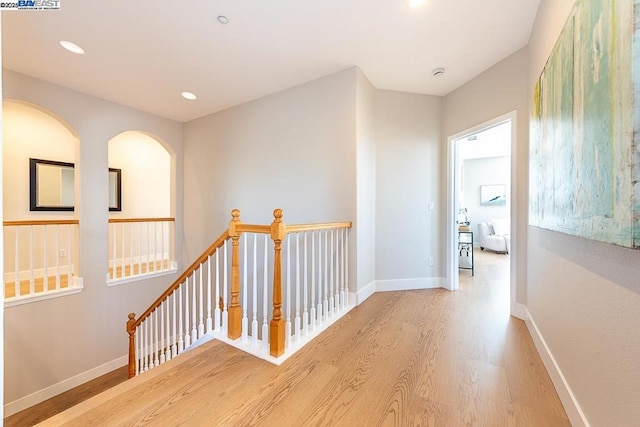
(428, 358)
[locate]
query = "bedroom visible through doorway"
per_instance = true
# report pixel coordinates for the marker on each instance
(480, 201)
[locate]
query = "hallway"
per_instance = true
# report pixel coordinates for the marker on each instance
(427, 357)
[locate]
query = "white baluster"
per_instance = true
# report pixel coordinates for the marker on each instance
(325, 303)
(143, 352)
(297, 319)
(149, 342)
(245, 319)
(254, 317)
(57, 256)
(313, 280)
(171, 242)
(209, 320)
(162, 246)
(139, 248)
(225, 307)
(346, 262)
(216, 310)
(131, 267)
(70, 229)
(114, 247)
(331, 276)
(320, 310)
(336, 273)
(187, 337)
(265, 295)
(174, 340)
(122, 253)
(180, 325)
(32, 286)
(158, 340)
(201, 313)
(167, 346)
(344, 296)
(138, 351)
(17, 262)
(162, 344)
(154, 343)
(149, 251)
(305, 314)
(45, 249)
(287, 325)
(194, 309)
(155, 248)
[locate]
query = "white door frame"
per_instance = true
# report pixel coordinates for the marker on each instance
(452, 203)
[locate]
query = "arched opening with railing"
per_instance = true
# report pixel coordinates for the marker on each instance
(39, 204)
(142, 206)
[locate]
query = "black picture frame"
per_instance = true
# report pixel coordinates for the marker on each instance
(33, 187)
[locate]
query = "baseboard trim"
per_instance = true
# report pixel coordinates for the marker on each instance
(519, 311)
(568, 399)
(364, 293)
(409, 284)
(65, 385)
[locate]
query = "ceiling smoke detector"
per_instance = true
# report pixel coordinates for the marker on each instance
(223, 19)
(437, 72)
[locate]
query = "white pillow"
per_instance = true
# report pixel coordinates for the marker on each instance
(501, 226)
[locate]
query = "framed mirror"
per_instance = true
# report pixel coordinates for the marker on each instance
(115, 190)
(52, 186)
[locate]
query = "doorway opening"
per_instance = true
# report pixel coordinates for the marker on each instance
(481, 206)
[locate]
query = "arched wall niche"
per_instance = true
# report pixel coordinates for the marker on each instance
(32, 131)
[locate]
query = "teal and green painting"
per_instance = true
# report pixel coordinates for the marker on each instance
(585, 127)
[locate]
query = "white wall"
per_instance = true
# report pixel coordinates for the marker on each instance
(146, 175)
(585, 295)
(294, 150)
(408, 177)
(366, 181)
(487, 171)
(498, 91)
(49, 342)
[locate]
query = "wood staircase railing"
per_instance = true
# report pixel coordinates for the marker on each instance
(134, 244)
(163, 329)
(41, 254)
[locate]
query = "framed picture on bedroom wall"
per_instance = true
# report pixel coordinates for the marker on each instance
(493, 195)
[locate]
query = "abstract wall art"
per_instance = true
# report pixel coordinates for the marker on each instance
(585, 127)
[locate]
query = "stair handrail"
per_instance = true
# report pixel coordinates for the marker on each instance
(278, 232)
(133, 323)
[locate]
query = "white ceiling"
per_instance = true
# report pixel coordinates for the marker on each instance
(492, 142)
(145, 53)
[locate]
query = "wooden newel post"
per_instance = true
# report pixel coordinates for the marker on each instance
(277, 324)
(131, 330)
(235, 311)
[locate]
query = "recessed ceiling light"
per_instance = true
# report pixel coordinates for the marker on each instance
(416, 3)
(223, 19)
(72, 47)
(188, 95)
(437, 72)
